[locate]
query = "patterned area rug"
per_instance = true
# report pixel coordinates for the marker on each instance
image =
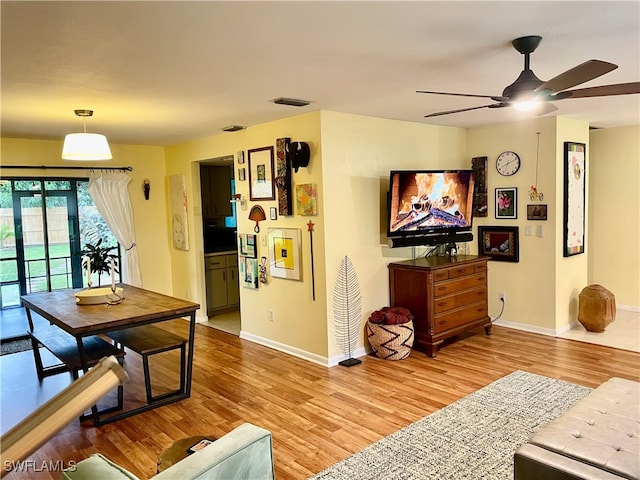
(15, 346)
(473, 438)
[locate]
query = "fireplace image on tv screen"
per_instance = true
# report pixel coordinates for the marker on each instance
(430, 202)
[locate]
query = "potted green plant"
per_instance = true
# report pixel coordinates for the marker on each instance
(100, 258)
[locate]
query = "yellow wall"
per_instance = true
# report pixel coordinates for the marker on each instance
(358, 153)
(351, 157)
(540, 288)
(614, 205)
(149, 216)
(300, 322)
(571, 272)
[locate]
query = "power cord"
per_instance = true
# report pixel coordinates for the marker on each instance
(501, 311)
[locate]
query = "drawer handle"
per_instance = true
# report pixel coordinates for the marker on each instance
(442, 288)
(461, 270)
(442, 304)
(442, 322)
(480, 310)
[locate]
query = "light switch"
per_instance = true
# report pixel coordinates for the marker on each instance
(527, 230)
(540, 231)
(264, 240)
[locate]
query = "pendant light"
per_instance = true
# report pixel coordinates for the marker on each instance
(85, 146)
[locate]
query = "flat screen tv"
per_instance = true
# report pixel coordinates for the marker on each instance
(430, 202)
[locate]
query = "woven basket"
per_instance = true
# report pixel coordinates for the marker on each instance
(391, 342)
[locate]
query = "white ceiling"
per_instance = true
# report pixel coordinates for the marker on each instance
(160, 73)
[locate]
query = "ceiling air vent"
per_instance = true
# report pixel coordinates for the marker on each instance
(233, 128)
(293, 102)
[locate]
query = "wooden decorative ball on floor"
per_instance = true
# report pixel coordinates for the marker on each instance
(597, 308)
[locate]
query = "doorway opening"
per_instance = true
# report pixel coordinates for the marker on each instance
(217, 187)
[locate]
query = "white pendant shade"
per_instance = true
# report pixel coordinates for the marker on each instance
(86, 146)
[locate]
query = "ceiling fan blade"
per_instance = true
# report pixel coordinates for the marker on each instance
(575, 76)
(437, 114)
(493, 97)
(602, 91)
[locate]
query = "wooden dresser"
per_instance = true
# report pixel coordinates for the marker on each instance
(446, 295)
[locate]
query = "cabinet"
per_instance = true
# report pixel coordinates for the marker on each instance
(215, 185)
(446, 295)
(223, 286)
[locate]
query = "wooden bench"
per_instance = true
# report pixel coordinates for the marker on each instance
(65, 348)
(148, 340)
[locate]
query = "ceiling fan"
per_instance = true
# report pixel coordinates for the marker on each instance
(528, 92)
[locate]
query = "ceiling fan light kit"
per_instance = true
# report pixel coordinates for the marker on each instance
(85, 146)
(529, 93)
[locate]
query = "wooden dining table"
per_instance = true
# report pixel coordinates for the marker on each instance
(138, 307)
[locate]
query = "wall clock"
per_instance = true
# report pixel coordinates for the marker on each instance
(508, 163)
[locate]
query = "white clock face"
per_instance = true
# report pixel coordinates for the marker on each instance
(508, 163)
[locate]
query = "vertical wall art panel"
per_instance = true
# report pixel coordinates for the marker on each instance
(283, 177)
(179, 219)
(306, 199)
(574, 194)
(480, 206)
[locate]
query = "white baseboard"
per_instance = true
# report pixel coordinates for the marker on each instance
(552, 332)
(628, 308)
(527, 328)
(296, 352)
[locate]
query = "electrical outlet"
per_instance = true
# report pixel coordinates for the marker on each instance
(272, 316)
(503, 297)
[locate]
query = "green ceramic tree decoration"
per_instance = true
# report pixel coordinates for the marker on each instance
(347, 311)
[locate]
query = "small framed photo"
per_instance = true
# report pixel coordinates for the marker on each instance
(242, 174)
(241, 156)
(247, 245)
(499, 243)
(200, 445)
(536, 212)
(273, 213)
(249, 272)
(507, 202)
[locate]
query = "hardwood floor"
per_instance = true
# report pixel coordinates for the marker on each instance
(317, 415)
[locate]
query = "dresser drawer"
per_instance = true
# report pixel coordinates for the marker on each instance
(480, 267)
(459, 284)
(450, 302)
(461, 271)
(458, 317)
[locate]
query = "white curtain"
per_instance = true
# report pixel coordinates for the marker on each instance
(111, 195)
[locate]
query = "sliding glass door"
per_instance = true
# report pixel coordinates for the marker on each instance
(44, 224)
(41, 252)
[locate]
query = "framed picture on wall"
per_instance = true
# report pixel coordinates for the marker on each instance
(261, 174)
(507, 202)
(499, 243)
(536, 212)
(284, 253)
(574, 198)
